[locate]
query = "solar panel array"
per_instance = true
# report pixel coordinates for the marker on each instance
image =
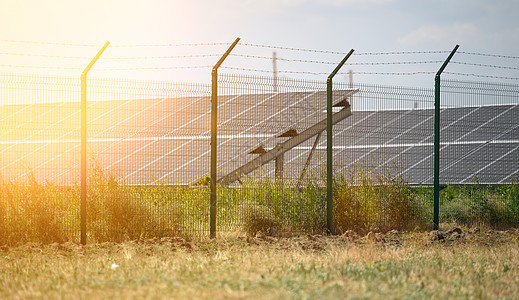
(166, 140)
(479, 144)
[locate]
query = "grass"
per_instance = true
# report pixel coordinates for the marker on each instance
(266, 269)
(47, 213)
(475, 204)
(261, 205)
(364, 201)
(374, 201)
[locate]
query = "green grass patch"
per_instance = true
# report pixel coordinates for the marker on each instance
(480, 205)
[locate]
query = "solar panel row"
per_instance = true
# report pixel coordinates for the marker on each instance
(166, 140)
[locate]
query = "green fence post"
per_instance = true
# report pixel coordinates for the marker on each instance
(214, 116)
(436, 209)
(84, 162)
(329, 144)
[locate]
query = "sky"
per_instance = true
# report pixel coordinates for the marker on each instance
(479, 26)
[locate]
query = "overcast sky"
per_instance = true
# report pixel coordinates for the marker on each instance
(334, 25)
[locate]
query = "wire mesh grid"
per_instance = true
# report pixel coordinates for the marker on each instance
(479, 149)
(260, 120)
(149, 155)
(149, 142)
(40, 123)
(272, 150)
(480, 132)
(378, 153)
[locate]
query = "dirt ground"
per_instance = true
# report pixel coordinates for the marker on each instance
(451, 235)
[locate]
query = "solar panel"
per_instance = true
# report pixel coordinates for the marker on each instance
(166, 140)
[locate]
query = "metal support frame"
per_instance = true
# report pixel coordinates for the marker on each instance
(329, 144)
(309, 158)
(84, 161)
(281, 148)
(214, 117)
(437, 80)
(280, 162)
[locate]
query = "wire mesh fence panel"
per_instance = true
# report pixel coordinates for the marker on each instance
(480, 132)
(149, 157)
(40, 128)
(479, 146)
(149, 145)
(391, 130)
(272, 155)
(380, 151)
(263, 130)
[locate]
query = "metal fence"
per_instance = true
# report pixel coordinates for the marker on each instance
(479, 152)
(147, 142)
(149, 155)
(39, 121)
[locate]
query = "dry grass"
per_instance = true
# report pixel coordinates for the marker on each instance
(47, 213)
(364, 201)
(306, 267)
(373, 201)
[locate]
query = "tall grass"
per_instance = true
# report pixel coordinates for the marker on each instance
(374, 201)
(118, 212)
(480, 205)
(47, 213)
(36, 212)
(363, 201)
(273, 205)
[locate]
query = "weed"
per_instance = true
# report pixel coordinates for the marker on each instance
(116, 212)
(483, 205)
(363, 201)
(372, 201)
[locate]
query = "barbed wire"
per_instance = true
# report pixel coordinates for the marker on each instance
(489, 55)
(44, 55)
(113, 58)
(395, 73)
(262, 57)
(327, 73)
(482, 76)
(115, 45)
(171, 45)
(258, 46)
(290, 48)
(50, 43)
(266, 71)
(154, 68)
(282, 59)
(484, 65)
(41, 67)
(269, 71)
(114, 69)
(396, 63)
(217, 55)
(335, 63)
(402, 52)
(161, 57)
(344, 53)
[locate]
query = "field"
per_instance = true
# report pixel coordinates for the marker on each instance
(456, 263)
